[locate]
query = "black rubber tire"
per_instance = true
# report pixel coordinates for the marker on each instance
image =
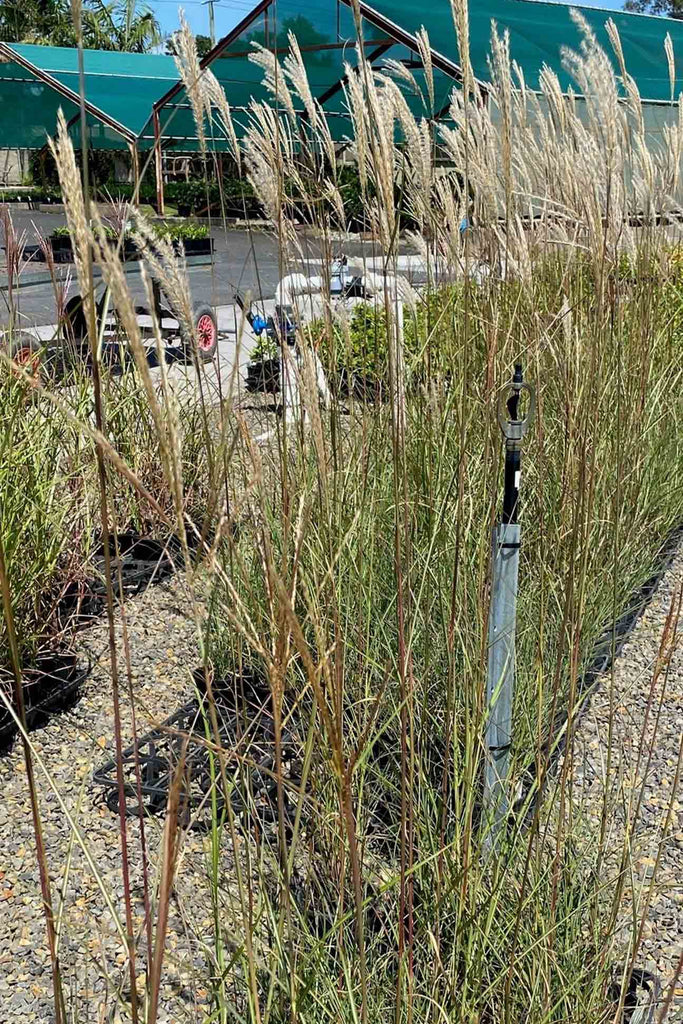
(205, 347)
(28, 351)
(74, 322)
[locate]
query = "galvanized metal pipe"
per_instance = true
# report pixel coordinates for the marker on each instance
(500, 680)
(500, 683)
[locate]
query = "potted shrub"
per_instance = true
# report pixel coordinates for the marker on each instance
(239, 199)
(188, 196)
(128, 249)
(194, 238)
(62, 248)
(263, 371)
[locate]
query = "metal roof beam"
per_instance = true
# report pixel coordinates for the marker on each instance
(7, 52)
(448, 67)
(334, 89)
(218, 49)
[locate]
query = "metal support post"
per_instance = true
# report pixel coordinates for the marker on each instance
(135, 167)
(500, 683)
(158, 164)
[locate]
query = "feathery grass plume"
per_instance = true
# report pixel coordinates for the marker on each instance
(295, 70)
(501, 75)
(450, 207)
(417, 166)
(370, 101)
(72, 193)
(461, 20)
(355, 104)
(402, 73)
(187, 62)
(166, 266)
(214, 97)
(122, 301)
(274, 79)
(592, 70)
(635, 106)
(263, 175)
(321, 137)
(672, 156)
(671, 61)
(425, 52)
(270, 156)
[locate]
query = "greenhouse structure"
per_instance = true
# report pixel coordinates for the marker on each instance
(137, 102)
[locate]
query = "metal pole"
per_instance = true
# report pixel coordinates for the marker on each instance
(212, 26)
(500, 682)
(158, 165)
(135, 166)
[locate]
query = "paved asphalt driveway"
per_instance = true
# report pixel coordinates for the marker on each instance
(245, 260)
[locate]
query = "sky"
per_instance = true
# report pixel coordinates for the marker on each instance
(229, 12)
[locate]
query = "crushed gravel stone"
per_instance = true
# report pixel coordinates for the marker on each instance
(164, 651)
(643, 787)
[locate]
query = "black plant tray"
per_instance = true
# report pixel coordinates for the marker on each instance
(143, 561)
(52, 685)
(247, 737)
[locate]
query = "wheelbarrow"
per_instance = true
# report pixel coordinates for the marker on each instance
(198, 341)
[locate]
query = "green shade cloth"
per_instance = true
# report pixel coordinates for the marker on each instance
(326, 34)
(122, 86)
(539, 30)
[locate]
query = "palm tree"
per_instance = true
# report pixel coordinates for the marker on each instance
(36, 21)
(115, 25)
(120, 25)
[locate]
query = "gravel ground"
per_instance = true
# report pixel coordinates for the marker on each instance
(644, 788)
(164, 650)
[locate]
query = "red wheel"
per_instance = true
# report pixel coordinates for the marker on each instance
(207, 334)
(204, 341)
(27, 352)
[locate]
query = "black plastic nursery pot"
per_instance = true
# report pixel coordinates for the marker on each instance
(62, 248)
(60, 243)
(50, 686)
(129, 251)
(194, 246)
(142, 562)
(263, 377)
(362, 386)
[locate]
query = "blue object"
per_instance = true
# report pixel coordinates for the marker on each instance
(259, 325)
